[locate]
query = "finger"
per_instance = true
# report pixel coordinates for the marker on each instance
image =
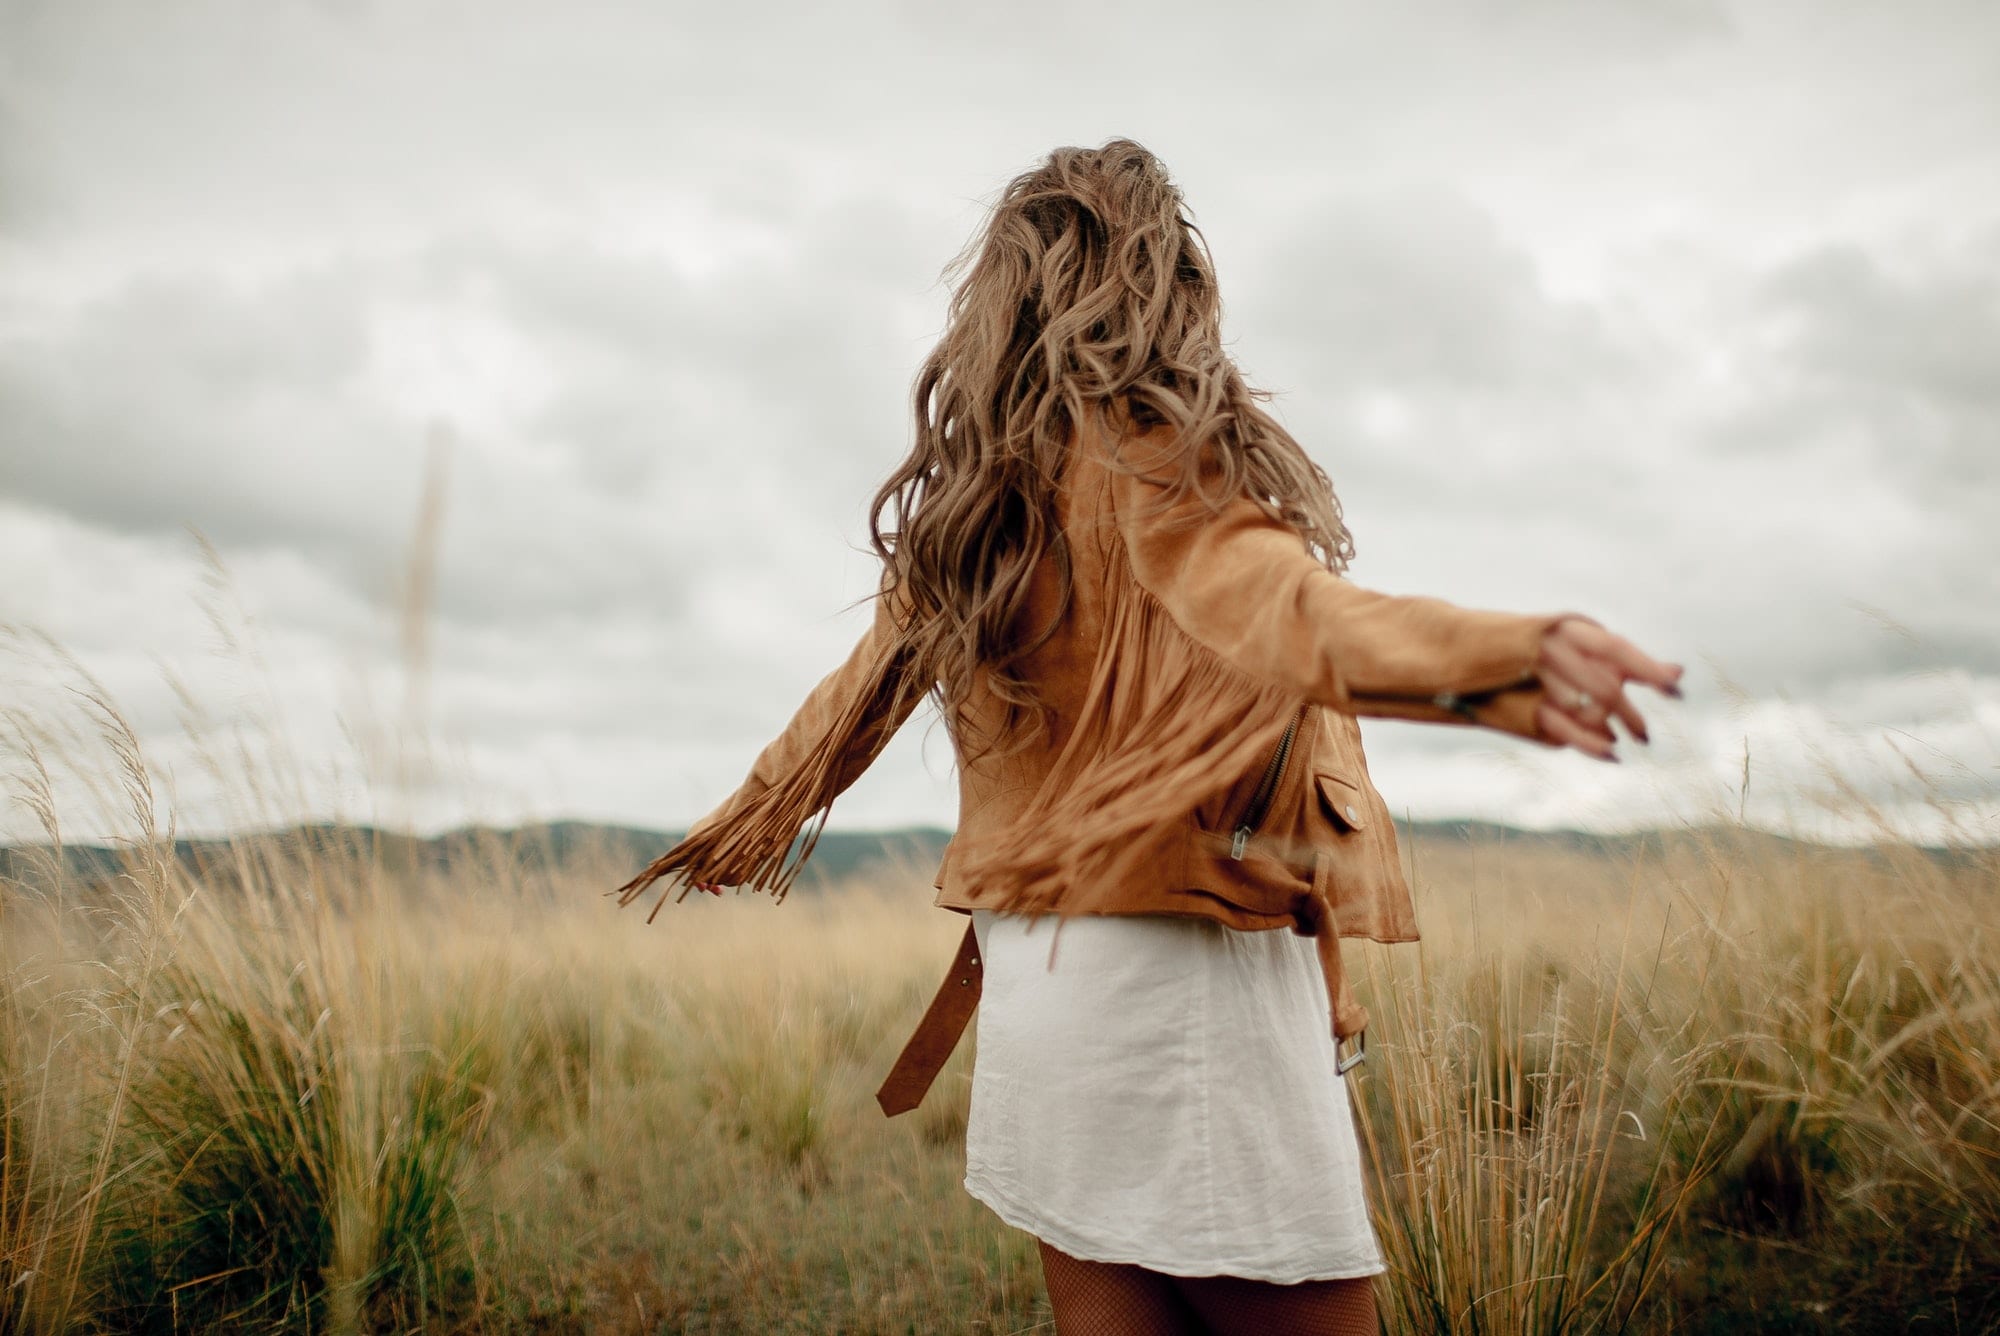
(1628, 659)
(1567, 731)
(1629, 715)
(1558, 692)
(1562, 692)
(1618, 653)
(1599, 712)
(1581, 671)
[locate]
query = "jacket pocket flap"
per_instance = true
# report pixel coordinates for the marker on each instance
(1343, 800)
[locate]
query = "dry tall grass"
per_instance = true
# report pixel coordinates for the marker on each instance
(1726, 1083)
(1730, 1084)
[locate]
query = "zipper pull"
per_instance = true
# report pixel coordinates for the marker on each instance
(1239, 843)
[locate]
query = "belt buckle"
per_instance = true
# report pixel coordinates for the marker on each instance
(1343, 1065)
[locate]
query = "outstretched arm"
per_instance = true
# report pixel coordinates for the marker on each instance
(834, 735)
(1242, 583)
(820, 714)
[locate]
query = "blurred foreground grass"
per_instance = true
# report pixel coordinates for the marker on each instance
(1728, 1084)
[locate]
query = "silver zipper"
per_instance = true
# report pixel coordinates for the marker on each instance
(1267, 787)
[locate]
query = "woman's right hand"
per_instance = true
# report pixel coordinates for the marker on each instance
(1584, 669)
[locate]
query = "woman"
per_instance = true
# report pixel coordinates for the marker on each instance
(1120, 579)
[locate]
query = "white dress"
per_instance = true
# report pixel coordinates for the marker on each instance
(1165, 1096)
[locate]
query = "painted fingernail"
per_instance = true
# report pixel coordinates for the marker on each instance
(1673, 690)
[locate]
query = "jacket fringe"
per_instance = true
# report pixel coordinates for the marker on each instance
(761, 842)
(1166, 726)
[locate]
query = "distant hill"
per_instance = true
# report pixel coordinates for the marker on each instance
(616, 852)
(619, 851)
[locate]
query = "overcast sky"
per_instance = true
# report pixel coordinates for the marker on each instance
(1683, 314)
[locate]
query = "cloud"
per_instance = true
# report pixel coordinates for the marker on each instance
(622, 431)
(1645, 311)
(1856, 437)
(1898, 354)
(654, 481)
(1420, 292)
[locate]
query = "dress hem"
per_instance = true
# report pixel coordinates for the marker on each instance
(1062, 1236)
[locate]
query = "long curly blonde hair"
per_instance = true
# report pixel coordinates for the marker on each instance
(1088, 292)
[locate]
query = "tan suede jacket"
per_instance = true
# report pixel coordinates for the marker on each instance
(1203, 758)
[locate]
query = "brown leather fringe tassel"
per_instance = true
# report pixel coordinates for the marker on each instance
(1168, 725)
(750, 845)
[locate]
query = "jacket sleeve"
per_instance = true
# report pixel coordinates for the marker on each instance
(1243, 583)
(831, 708)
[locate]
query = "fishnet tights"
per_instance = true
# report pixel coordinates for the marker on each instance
(1114, 1299)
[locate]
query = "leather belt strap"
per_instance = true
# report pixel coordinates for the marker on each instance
(924, 1056)
(1350, 1018)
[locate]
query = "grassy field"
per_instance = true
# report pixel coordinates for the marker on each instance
(1725, 1084)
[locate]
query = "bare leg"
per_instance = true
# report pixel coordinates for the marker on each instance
(1116, 1299)
(1113, 1299)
